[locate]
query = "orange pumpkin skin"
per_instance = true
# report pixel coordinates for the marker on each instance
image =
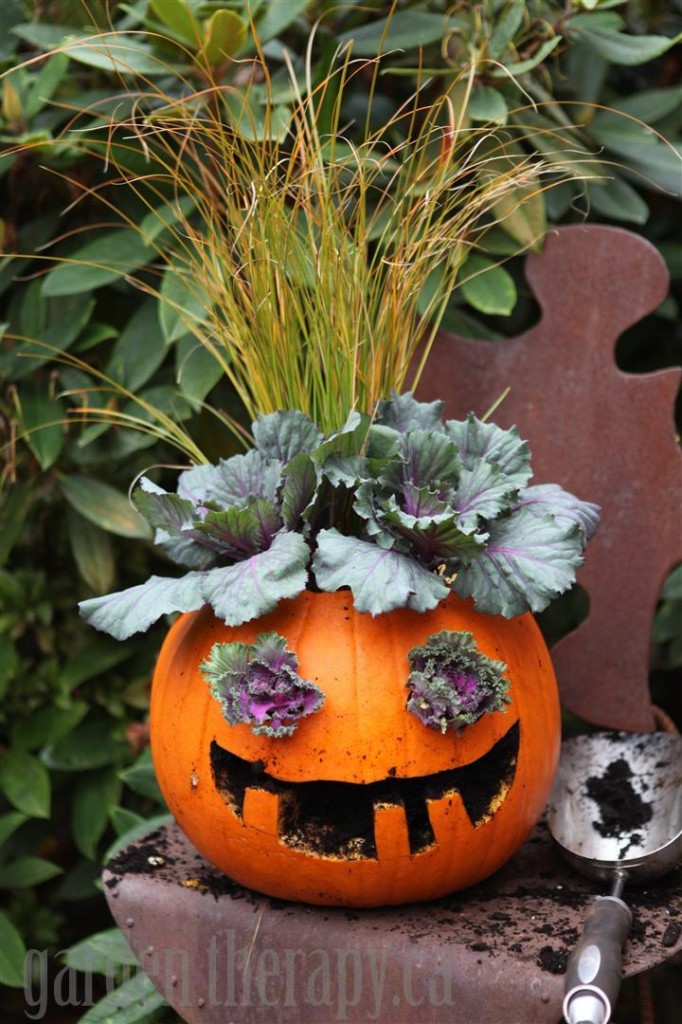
(362, 733)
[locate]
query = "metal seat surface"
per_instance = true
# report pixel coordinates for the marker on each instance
(495, 954)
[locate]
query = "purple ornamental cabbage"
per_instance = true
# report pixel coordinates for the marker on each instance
(452, 684)
(258, 684)
(401, 508)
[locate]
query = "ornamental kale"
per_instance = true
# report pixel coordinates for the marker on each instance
(401, 509)
(452, 683)
(258, 684)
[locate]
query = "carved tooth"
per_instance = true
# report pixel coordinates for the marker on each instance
(497, 800)
(390, 832)
(336, 819)
(449, 820)
(261, 810)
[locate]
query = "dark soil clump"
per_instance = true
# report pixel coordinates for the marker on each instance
(621, 809)
(671, 934)
(216, 884)
(553, 960)
(141, 858)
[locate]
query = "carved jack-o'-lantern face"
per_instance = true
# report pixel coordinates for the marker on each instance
(364, 804)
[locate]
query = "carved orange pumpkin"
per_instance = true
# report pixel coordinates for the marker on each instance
(364, 805)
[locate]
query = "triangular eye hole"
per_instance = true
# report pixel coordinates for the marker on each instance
(452, 683)
(258, 684)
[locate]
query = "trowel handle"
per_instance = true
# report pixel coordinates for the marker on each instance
(594, 974)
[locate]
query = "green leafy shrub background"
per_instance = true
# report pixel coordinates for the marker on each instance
(75, 775)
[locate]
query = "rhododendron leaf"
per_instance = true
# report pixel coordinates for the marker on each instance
(244, 531)
(224, 34)
(503, 448)
(255, 586)
(564, 506)
(482, 493)
(281, 435)
(404, 412)
(528, 560)
(380, 579)
(134, 610)
(298, 492)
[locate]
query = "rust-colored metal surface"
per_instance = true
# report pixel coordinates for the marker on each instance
(607, 435)
(225, 955)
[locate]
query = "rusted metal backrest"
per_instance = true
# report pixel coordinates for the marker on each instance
(606, 435)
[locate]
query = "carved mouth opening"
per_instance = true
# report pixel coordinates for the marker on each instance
(336, 819)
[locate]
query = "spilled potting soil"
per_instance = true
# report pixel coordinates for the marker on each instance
(531, 912)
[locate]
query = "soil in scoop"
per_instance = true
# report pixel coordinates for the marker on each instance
(621, 809)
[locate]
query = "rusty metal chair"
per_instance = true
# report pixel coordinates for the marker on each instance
(495, 953)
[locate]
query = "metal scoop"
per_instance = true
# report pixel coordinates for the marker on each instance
(616, 813)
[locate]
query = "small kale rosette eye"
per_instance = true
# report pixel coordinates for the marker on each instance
(258, 684)
(452, 683)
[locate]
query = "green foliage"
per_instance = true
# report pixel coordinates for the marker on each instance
(12, 954)
(25, 783)
(667, 635)
(71, 710)
(103, 506)
(132, 1002)
(256, 264)
(98, 952)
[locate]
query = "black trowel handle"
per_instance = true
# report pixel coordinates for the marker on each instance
(594, 974)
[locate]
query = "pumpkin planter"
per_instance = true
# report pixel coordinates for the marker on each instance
(364, 805)
(356, 706)
(415, 750)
